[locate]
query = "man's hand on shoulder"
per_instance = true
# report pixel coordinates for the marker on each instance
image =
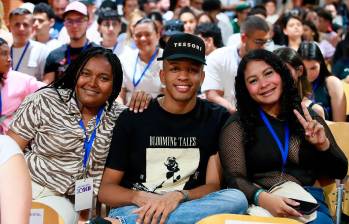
(155, 208)
(139, 101)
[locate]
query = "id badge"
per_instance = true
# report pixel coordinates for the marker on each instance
(83, 194)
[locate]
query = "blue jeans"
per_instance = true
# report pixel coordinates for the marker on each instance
(323, 214)
(223, 201)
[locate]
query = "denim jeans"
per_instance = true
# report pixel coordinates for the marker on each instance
(223, 201)
(323, 214)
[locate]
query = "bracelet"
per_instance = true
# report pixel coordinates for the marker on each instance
(256, 196)
(185, 194)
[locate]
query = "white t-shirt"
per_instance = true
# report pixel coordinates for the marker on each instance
(117, 50)
(8, 148)
(229, 2)
(220, 72)
(34, 59)
(150, 83)
(225, 26)
(53, 44)
(234, 40)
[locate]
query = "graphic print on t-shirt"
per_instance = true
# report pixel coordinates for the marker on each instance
(169, 169)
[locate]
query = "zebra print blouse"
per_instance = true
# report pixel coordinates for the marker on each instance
(51, 124)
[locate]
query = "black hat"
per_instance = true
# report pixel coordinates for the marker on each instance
(184, 45)
(173, 26)
(156, 16)
(108, 4)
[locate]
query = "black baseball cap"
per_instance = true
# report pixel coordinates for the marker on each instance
(108, 5)
(184, 45)
(173, 26)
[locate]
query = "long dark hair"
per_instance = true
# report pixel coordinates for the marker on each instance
(309, 50)
(2, 76)
(313, 28)
(287, 18)
(249, 109)
(71, 75)
(291, 57)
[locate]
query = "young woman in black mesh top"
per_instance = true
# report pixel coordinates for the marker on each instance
(270, 116)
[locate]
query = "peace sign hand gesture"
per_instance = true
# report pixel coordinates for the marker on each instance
(314, 131)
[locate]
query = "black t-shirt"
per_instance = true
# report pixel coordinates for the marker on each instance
(159, 151)
(57, 60)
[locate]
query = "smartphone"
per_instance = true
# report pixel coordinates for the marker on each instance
(305, 207)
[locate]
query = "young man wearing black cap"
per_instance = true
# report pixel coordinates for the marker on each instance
(109, 26)
(160, 161)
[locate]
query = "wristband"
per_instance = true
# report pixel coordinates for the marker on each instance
(256, 196)
(185, 194)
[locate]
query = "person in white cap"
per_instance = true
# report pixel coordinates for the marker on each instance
(76, 22)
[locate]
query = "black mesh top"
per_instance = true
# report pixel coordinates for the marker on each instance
(260, 166)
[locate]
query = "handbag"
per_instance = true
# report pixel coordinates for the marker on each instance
(287, 189)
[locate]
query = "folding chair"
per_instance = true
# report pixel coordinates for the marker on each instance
(102, 209)
(346, 91)
(50, 215)
(340, 131)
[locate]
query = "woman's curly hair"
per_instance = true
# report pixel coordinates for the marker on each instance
(249, 109)
(72, 73)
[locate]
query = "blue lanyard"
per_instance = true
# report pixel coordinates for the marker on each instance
(135, 83)
(68, 52)
(89, 141)
(21, 57)
(283, 148)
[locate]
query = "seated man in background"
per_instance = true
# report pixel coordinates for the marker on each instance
(222, 64)
(43, 16)
(163, 163)
(76, 22)
(211, 35)
(109, 26)
(28, 56)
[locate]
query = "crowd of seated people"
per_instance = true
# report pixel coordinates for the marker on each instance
(157, 107)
